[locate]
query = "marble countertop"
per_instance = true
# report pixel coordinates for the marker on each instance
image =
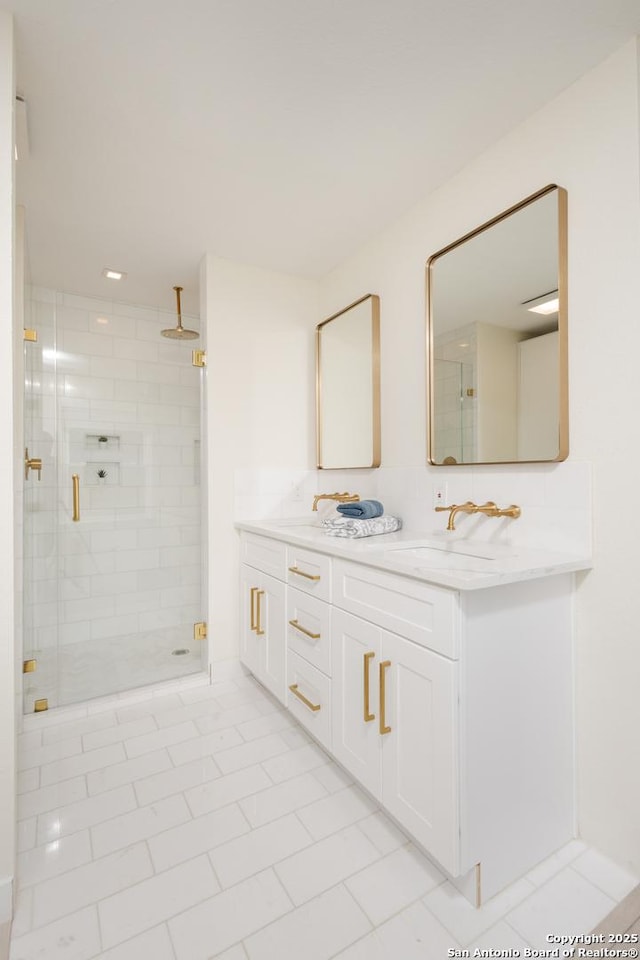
(443, 559)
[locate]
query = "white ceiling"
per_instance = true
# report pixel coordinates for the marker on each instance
(280, 133)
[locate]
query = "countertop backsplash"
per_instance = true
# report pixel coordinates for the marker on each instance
(555, 499)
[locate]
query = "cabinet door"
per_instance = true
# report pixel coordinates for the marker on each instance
(249, 649)
(355, 646)
(263, 636)
(420, 749)
(271, 635)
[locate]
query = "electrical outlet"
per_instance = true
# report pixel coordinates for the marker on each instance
(297, 492)
(439, 495)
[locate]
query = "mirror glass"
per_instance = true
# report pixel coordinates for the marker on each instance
(348, 387)
(497, 338)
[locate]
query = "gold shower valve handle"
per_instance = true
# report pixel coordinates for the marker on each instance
(32, 463)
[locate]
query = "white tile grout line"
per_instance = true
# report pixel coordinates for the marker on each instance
(169, 687)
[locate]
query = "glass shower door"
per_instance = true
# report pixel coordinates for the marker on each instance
(40, 542)
(126, 523)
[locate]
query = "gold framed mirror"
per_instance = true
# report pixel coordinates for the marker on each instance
(348, 387)
(497, 339)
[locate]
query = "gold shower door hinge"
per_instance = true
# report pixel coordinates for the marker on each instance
(41, 705)
(30, 335)
(29, 666)
(199, 358)
(200, 631)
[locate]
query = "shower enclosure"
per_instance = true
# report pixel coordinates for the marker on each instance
(113, 547)
(455, 417)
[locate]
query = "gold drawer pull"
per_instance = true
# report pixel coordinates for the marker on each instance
(259, 630)
(312, 706)
(367, 712)
(307, 633)
(301, 573)
(383, 697)
(254, 590)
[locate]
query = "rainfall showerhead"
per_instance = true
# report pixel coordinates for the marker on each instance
(179, 332)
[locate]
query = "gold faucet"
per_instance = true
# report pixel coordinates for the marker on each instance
(455, 509)
(489, 509)
(339, 497)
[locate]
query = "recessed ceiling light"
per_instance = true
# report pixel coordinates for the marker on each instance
(113, 274)
(547, 304)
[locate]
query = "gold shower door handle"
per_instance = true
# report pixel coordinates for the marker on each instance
(259, 630)
(367, 712)
(383, 697)
(75, 479)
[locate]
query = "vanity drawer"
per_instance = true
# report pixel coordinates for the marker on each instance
(264, 554)
(309, 571)
(310, 700)
(308, 628)
(421, 612)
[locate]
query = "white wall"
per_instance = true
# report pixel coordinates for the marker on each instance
(587, 141)
(7, 557)
(260, 375)
(261, 426)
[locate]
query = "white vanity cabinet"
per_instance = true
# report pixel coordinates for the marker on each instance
(454, 708)
(451, 706)
(395, 727)
(395, 699)
(262, 612)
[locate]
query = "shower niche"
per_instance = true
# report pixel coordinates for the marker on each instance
(97, 457)
(101, 468)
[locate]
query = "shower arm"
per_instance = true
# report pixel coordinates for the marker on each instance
(178, 291)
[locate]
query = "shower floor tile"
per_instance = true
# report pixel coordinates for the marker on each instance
(97, 668)
(218, 831)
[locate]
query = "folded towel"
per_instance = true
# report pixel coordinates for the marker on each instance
(362, 509)
(352, 528)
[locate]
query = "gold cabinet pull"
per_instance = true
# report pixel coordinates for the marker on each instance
(307, 633)
(259, 630)
(301, 573)
(312, 706)
(254, 590)
(367, 712)
(383, 697)
(75, 479)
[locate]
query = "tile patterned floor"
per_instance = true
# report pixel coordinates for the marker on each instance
(203, 823)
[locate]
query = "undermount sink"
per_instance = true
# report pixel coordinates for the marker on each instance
(454, 556)
(297, 522)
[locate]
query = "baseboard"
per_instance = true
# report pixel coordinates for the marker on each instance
(623, 917)
(5, 936)
(227, 669)
(6, 899)
(6, 912)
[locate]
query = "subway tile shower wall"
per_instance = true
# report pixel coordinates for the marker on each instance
(107, 398)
